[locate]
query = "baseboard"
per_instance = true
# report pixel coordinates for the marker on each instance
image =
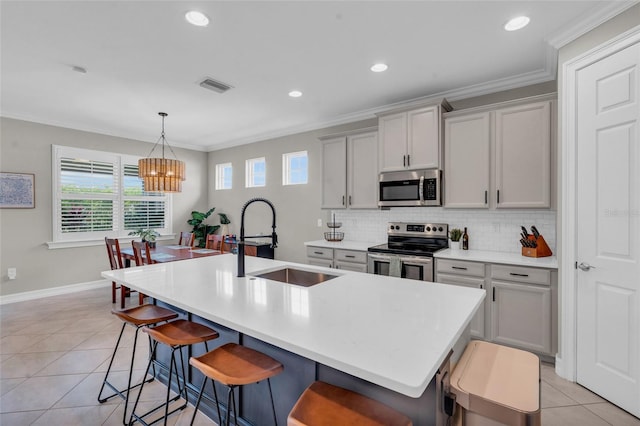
(54, 291)
(561, 369)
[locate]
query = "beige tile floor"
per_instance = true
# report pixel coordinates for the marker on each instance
(54, 352)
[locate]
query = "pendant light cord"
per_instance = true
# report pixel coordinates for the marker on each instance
(163, 139)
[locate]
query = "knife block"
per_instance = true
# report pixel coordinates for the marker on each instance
(542, 250)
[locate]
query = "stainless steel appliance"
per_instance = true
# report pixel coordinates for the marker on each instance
(410, 188)
(409, 250)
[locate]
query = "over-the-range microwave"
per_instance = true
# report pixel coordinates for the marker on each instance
(410, 188)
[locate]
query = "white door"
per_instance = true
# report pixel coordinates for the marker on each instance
(608, 228)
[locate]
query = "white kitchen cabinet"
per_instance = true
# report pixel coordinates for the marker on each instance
(350, 171)
(350, 260)
(520, 309)
(499, 157)
(465, 274)
(411, 140)
(467, 149)
(523, 156)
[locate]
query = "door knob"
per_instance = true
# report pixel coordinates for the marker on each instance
(585, 266)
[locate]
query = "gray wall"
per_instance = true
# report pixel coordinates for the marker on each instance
(297, 206)
(26, 147)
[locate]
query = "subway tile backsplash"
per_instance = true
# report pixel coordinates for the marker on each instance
(493, 230)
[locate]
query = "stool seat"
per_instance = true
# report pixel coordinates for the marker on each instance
(322, 404)
(181, 333)
(145, 314)
(235, 365)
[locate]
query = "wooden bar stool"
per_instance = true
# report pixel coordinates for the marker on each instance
(233, 365)
(176, 335)
(137, 317)
(322, 404)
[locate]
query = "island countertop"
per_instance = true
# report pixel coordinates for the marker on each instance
(389, 331)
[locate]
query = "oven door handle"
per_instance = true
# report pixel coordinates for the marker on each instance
(416, 260)
(421, 190)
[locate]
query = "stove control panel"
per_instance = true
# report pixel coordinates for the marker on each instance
(418, 229)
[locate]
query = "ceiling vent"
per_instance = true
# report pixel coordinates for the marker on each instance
(216, 86)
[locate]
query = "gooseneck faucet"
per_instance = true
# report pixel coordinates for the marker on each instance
(274, 236)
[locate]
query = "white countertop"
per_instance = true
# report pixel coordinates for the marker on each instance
(390, 331)
(344, 244)
(517, 259)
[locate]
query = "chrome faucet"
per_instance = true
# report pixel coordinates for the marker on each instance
(274, 236)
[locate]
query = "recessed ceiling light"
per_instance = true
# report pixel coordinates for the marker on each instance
(295, 93)
(517, 23)
(196, 18)
(379, 67)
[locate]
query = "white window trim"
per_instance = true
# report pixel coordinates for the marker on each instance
(58, 241)
(220, 178)
(286, 167)
(248, 176)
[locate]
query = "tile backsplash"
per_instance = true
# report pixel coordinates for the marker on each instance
(493, 230)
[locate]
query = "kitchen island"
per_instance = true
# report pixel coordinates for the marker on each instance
(384, 337)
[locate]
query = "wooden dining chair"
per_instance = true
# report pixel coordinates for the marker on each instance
(115, 260)
(142, 256)
(186, 239)
(215, 242)
(250, 250)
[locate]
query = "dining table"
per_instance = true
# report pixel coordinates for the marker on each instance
(170, 253)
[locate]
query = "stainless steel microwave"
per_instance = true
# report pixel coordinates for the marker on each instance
(410, 188)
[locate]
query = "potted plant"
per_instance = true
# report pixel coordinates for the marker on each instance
(455, 234)
(148, 235)
(224, 221)
(200, 229)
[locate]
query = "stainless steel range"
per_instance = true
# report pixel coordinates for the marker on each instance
(409, 250)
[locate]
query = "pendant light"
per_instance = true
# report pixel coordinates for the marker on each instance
(161, 174)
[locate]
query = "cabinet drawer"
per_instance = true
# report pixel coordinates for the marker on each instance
(350, 266)
(460, 267)
(320, 253)
(521, 274)
(351, 256)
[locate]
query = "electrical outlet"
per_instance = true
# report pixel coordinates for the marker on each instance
(11, 272)
(319, 223)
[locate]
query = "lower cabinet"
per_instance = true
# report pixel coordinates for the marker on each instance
(350, 260)
(520, 308)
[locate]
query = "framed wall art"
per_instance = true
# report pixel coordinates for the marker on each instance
(17, 190)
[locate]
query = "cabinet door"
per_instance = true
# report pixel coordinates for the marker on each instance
(334, 173)
(467, 160)
(320, 262)
(362, 171)
(478, 321)
(523, 156)
(347, 266)
(521, 316)
(393, 141)
(423, 138)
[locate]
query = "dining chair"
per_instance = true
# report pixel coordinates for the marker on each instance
(250, 250)
(142, 256)
(186, 239)
(215, 242)
(115, 260)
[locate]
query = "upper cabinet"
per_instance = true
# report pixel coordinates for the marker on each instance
(350, 171)
(411, 139)
(500, 157)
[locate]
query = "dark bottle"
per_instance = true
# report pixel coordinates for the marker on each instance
(465, 240)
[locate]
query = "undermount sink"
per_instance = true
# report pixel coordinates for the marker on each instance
(296, 276)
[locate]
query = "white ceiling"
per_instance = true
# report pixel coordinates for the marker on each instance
(142, 57)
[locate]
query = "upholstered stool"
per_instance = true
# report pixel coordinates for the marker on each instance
(176, 335)
(322, 404)
(234, 365)
(137, 317)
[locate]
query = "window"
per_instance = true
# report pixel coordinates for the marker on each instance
(224, 174)
(98, 194)
(255, 172)
(295, 167)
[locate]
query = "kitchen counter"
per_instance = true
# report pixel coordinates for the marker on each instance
(550, 262)
(344, 244)
(338, 323)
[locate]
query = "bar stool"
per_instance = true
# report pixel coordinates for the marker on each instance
(233, 365)
(176, 335)
(137, 317)
(322, 404)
